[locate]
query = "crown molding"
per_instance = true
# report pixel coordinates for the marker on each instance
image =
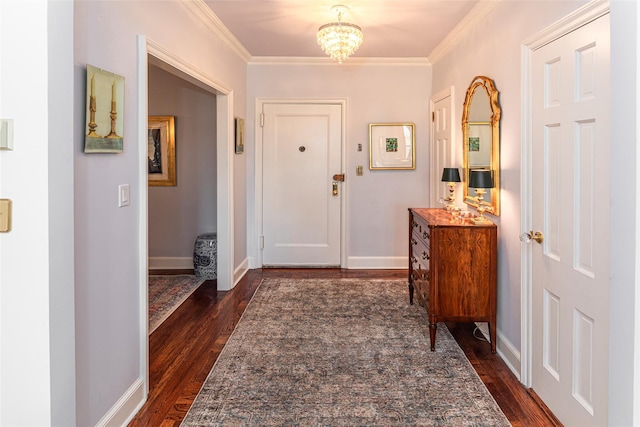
(200, 9)
(316, 60)
(477, 14)
(582, 16)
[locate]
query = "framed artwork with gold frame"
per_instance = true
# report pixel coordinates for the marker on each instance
(161, 151)
(392, 146)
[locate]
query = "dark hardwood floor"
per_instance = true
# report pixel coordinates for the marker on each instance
(184, 348)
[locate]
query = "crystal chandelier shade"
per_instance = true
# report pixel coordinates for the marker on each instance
(339, 39)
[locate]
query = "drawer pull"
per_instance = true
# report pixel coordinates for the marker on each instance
(425, 235)
(425, 255)
(413, 260)
(414, 241)
(415, 224)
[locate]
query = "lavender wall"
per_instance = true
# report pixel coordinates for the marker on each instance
(492, 49)
(110, 359)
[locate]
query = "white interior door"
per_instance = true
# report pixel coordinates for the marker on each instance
(570, 188)
(302, 151)
(442, 149)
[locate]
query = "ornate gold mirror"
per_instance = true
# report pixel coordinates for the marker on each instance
(481, 142)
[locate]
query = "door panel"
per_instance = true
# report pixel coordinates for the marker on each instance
(442, 149)
(570, 164)
(301, 214)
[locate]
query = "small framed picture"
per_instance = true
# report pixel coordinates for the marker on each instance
(104, 128)
(474, 143)
(161, 151)
(392, 146)
(239, 136)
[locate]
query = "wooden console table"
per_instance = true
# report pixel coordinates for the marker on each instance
(453, 269)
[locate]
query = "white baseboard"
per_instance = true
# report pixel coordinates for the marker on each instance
(362, 263)
(240, 271)
(377, 263)
(170, 263)
(126, 407)
(509, 354)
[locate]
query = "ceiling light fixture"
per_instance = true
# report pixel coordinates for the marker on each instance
(339, 39)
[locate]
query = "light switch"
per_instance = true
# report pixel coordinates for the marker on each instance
(359, 170)
(123, 195)
(6, 134)
(5, 215)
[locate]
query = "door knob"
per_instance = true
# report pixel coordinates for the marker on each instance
(531, 235)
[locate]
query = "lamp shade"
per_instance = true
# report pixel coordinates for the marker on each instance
(450, 175)
(480, 179)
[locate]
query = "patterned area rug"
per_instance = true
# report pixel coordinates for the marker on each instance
(166, 293)
(341, 352)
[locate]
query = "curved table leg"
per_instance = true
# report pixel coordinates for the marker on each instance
(432, 334)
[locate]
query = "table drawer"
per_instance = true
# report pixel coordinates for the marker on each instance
(421, 233)
(422, 253)
(422, 290)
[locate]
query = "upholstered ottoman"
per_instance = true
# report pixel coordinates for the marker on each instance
(205, 256)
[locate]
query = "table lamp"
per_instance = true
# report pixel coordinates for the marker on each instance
(480, 180)
(450, 176)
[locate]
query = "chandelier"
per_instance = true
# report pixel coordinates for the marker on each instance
(339, 39)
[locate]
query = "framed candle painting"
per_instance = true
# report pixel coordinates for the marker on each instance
(161, 151)
(104, 127)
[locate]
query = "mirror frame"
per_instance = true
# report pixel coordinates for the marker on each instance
(482, 82)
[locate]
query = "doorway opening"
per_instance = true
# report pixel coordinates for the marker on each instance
(150, 54)
(183, 207)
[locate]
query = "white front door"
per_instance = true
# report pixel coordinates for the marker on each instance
(442, 149)
(570, 195)
(302, 151)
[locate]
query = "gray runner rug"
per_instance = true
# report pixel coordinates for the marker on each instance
(340, 352)
(166, 293)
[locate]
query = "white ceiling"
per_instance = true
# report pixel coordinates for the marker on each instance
(392, 28)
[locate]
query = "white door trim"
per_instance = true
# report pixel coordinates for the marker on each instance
(225, 207)
(259, 170)
(434, 173)
(578, 18)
